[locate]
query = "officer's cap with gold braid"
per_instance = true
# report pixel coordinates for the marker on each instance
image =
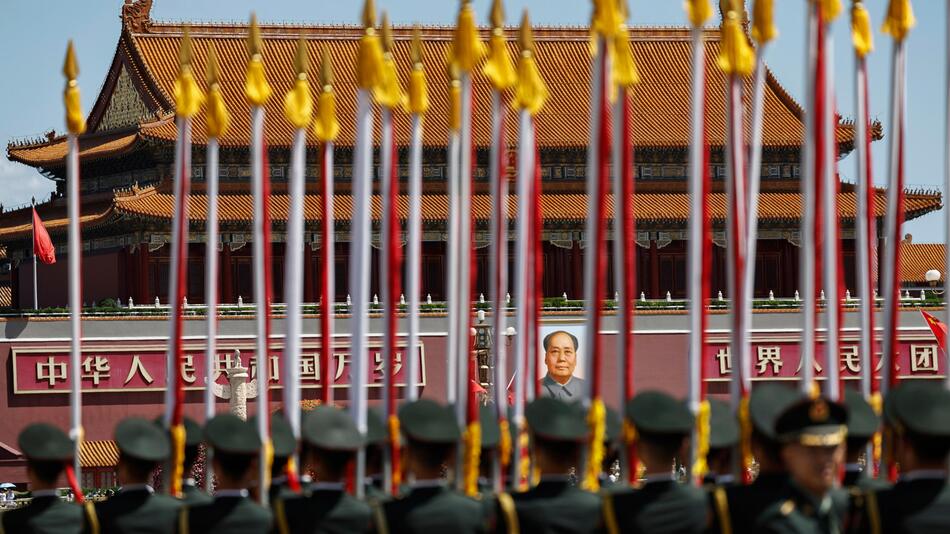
(766, 403)
(429, 422)
(332, 429)
(141, 439)
(920, 407)
(723, 425)
(44, 442)
(230, 434)
(813, 422)
(281, 435)
(655, 412)
(556, 420)
(863, 423)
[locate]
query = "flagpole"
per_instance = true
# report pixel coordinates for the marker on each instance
(698, 12)
(298, 108)
(390, 263)
(418, 105)
(807, 261)
(36, 302)
(76, 125)
(326, 128)
(946, 188)
(452, 276)
(369, 77)
(217, 122)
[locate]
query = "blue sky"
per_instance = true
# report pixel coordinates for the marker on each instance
(33, 37)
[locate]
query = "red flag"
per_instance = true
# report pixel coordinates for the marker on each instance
(42, 245)
(938, 328)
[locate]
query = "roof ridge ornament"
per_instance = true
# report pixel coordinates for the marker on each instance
(136, 14)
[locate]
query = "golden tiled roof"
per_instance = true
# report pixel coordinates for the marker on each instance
(649, 207)
(661, 102)
(102, 453)
(19, 223)
(918, 258)
(53, 152)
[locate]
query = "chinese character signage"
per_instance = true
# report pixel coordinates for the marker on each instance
(115, 369)
(780, 360)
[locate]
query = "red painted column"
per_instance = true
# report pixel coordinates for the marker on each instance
(144, 294)
(226, 287)
(654, 270)
(309, 291)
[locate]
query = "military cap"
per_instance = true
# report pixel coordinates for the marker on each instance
(723, 425)
(863, 423)
(376, 428)
(655, 412)
(331, 428)
(231, 434)
(194, 435)
(614, 425)
(40, 441)
(142, 439)
(766, 402)
(814, 422)
(281, 435)
(428, 421)
(556, 420)
(920, 407)
(491, 432)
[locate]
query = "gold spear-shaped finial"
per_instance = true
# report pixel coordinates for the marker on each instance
(416, 53)
(418, 93)
(326, 71)
(369, 14)
(386, 34)
(301, 59)
(525, 35)
(75, 121)
(213, 69)
(498, 68)
(217, 119)
(188, 97)
(497, 14)
(530, 91)
(255, 45)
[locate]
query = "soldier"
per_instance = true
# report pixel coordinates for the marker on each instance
(491, 436)
(612, 448)
(737, 508)
(47, 450)
(376, 441)
(136, 508)
(916, 416)
(194, 436)
(236, 445)
(431, 435)
(331, 441)
(558, 431)
(863, 423)
(723, 438)
(285, 445)
(812, 433)
(663, 426)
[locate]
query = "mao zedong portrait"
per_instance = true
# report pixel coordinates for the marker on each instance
(560, 357)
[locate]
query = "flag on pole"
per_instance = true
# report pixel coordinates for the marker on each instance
(188, 100)
(938, 328)
(43, 247)
(298, 109)
(217, 121)
(698, 12)
(76, 126)
(501, 74)
(418, 105)
(257, 92)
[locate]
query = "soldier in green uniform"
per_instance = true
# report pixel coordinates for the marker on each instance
(194, 436)
(377, 439)
(285, 445)
(661, 504)
(812, 433)
(612, 448)
(330, 444)
(491, 437)
(863, 423)
(136, 508)
(429, 505)
(723, 438)
(736, 509)
(47, 450)
(558, 433)
(916, 415)
(236, 445)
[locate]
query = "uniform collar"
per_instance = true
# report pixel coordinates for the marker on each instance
(852, 468)
(427, 483)
(45, 493)
(231, 493)
(924, 474)
(658, 477)
(555, 478)
(136, 487)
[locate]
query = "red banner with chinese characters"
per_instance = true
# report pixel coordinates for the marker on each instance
(781, 360)
(143, 368)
